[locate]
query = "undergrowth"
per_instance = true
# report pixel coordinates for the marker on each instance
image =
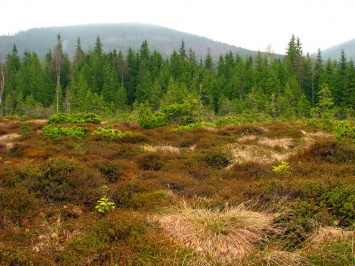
(233, 194)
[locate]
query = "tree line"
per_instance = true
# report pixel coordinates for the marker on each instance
(112, 83)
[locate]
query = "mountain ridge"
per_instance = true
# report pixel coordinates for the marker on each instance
(334, 52)
(118, 36)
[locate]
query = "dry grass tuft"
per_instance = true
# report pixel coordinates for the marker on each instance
(163, 149)
(256, 153)
(286, 143)
(5, 140)
(278, 257)
(332, 234)
(223, 236)
(247, 138)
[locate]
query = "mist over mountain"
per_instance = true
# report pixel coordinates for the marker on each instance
(334, 52)
(115, 36)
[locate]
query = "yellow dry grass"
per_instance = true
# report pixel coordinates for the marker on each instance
(286, 143)
(5, 139)
(330, 234)
(256, 153)
(163, 149)
(223, 236)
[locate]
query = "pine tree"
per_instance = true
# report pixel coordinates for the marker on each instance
(317, 77)
(121, 98)
(2, 82)
(78, 56)
(182, 52)
(348, 99)
(209, 61)
(325, 103)
(340, 80)
(58, 54)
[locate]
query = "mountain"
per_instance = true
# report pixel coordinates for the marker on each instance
(115, 36)
(335, 51)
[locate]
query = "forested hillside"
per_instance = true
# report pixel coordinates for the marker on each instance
(114, 36)
(334, 51)
(110, 83)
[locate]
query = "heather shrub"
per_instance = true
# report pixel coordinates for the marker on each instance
(17, 206)
(248, 171)
(123, 237)
(150, 161)
(63, 180)
(112, 171)
(327, 151)
(217, 159)
(122, 193)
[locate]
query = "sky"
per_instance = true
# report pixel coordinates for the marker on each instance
(250, 24)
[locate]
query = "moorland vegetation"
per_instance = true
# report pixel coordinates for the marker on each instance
(152, 161)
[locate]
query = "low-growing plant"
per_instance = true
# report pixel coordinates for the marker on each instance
(104, 204)
(345, 132)
(195, 125)
(56, 131)
(25, 128)
(75, 118)
(110, 133)
(282, 168)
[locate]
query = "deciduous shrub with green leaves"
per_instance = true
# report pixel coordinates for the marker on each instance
(104, 204)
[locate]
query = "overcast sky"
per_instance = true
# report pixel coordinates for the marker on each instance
(251, 24)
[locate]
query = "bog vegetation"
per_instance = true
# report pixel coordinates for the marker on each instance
(153, 161)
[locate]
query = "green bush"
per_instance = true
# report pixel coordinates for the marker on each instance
(345, 132)
(148, 120)
(195, 125)
(282, 168)
(104, 204)
(110, 133)
(56, 131)
(75, 118)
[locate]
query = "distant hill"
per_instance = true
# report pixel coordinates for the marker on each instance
(335, 51)
(115, 36)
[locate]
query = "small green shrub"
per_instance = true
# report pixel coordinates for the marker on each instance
(148, 120)
(345, 132)
(195, 125)
(104, 205)
(56, 131)
(75, 118)
(282, 168)
(110, 133)
(25, 128)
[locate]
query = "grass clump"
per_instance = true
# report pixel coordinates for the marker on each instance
(220, 236)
